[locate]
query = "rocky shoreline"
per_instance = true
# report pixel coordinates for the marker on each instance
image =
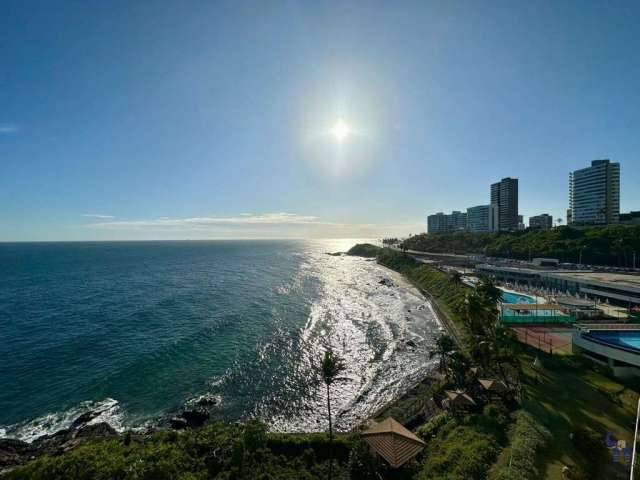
(13, 452)
(194, 413)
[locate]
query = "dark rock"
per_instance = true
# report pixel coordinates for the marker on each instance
(14, 446)
(178, 423)
(96, 430)
(60, 436)
(13, 452)
(85, 418)
(208, 400)
(195, 417)
(411, 343)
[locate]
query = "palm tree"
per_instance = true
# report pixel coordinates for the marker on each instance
(332, 366)
(444, 346)
(457, 369)
(488, 289)
(455, 277)
(478, 313)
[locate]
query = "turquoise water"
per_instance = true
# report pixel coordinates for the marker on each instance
(510, 297)
(136, 329)
(622, 338)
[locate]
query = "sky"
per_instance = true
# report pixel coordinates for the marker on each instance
(273, 119)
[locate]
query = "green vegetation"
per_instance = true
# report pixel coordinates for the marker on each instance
(519, 461)
(569, 395)
(610, 245)
(577, 402)
(464, 449)
(364, 250)
(410, 408)
(215, 451)
(552, 417)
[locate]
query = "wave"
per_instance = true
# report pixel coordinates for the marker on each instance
(107, 410)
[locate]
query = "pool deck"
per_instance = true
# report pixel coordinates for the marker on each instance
(537, 298)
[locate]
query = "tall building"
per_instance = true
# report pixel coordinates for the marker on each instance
(504, 196)
(437, 223)
(594, 194)
(457, 221)
(542, 222)
(441, 223)
(482, 218)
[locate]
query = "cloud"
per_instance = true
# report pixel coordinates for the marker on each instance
(267, 225)
(281, 218)
(9, 128)
(97, 215)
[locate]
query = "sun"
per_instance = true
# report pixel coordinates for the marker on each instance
(340, 130)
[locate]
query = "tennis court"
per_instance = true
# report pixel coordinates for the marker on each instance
(548, 338)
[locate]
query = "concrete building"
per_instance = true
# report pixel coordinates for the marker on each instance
(616, 288)
(542, 222)
(441, 223)
(437, 223)
(617, 348)
(482, 218)
(504, 196)
(594, 194)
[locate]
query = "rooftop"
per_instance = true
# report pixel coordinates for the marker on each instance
(618, 279)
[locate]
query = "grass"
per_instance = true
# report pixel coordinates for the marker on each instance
(568, 395)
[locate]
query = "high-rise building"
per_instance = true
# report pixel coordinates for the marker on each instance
(437, 223)
(542, 222)
(441, 223)
(504, 196)
(457, 221)
(594, 193)
(481, 218)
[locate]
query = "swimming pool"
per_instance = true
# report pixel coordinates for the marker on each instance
(535, 316)
(512, 297)
(627, 339)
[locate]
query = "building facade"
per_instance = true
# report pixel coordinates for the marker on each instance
(482, 218)
(594, 194)
(442, 223)
(542, 222)
(504, 196)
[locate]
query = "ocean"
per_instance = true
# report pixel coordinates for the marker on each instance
(136, 330)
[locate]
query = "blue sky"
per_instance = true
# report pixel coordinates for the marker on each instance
(145, 120)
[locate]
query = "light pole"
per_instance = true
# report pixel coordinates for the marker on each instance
(635, 439)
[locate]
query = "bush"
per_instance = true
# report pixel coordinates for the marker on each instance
(600, 245)
(433, 426)
(528, 438)
(294, 444)
(364, 250)
(493, 421)
(591, 446)
(460, 453)
(221, 451)
(363, 465)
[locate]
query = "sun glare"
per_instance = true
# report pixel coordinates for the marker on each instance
(340, 130)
